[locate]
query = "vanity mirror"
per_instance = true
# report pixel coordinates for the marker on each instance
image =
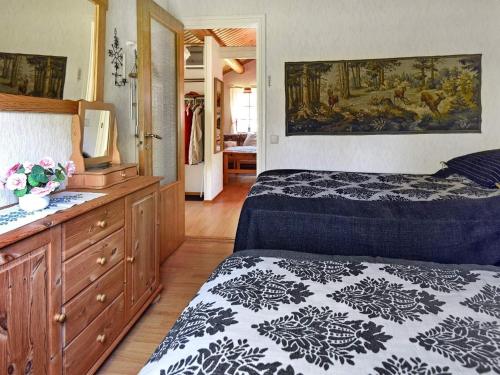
(51, 53)
(95, 151)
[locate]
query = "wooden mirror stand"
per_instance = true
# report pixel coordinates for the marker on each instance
(97, 171)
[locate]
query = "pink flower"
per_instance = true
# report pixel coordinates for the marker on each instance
(42, 192)
(16, 181)
(70, 168)
(12, 170)
(47, 163)
(28, 166)
(52, 185)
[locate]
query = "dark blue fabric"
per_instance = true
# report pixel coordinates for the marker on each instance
(448, 231)
(480, 167)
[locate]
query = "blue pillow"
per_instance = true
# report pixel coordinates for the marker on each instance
(480, 167)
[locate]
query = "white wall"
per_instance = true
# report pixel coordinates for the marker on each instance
(299, 30)
(53, 28)
(233, 79)
(213, 162)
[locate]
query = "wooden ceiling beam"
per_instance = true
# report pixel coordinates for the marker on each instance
(234, 64)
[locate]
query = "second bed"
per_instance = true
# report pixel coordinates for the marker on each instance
(423, 217)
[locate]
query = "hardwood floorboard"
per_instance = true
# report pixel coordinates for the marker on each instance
(218, 218)
(182, 274)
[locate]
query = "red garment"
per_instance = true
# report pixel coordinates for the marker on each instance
(188, 122)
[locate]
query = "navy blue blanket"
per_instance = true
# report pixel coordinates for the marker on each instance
(416, 217)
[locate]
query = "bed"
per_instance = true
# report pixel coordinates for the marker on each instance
(239, 160)
(288, 313)
(419, 217)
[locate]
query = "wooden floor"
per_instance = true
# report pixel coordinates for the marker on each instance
(214, 226)
(218, 218)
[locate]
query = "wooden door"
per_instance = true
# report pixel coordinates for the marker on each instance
(30, 304)
(142, 256)
(160, 93)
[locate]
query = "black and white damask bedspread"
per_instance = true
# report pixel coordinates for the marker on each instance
(367, 186)
(289, 313)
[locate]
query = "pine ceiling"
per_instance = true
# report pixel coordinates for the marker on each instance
(228, 37)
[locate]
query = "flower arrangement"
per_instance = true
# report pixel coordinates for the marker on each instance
(38, 179)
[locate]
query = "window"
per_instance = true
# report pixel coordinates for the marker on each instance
(244, 110)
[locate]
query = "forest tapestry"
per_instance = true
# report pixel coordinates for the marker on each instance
(431, 94)
(32, 75)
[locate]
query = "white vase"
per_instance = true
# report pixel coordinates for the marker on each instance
(31, 202)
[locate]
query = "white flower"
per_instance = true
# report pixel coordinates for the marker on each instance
(47, 163)
(27, 165)
(17, 181)
(52, 185)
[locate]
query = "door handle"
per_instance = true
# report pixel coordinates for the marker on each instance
(152, 135)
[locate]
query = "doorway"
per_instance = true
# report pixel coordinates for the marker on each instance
(214, 211)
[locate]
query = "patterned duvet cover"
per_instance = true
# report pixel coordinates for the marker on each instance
(288, 313)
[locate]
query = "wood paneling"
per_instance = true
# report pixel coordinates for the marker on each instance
(29, 339)
(172, 219)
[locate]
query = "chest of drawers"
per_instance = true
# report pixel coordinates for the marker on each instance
(73, 284)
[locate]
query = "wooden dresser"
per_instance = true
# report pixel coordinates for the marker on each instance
(72, 284)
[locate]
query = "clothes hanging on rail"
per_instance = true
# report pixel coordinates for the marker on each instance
(196, 143)
(188, 121)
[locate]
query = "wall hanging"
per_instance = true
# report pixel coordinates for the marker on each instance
(429, 94)
(118, 61)
(32, 75)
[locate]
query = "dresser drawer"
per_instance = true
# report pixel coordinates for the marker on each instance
(86, 267)
(85, 350)
(83, 309)
(85, 230)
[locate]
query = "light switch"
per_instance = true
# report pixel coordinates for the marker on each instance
(275, 139)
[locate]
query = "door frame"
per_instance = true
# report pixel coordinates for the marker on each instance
(257, 22)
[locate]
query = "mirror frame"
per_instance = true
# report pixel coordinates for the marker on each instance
(217, 82)
(21, 103)
(78, 132)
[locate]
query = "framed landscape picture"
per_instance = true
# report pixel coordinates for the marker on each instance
(408, 95)
(32, 75)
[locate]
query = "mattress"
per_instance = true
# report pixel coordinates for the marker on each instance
(242, 149)
(419, 217)
(289, 313)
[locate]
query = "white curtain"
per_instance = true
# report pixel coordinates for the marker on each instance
(233, 100)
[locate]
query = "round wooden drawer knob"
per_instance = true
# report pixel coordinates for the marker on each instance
(101, 297)
(60, 318)
(123, 174)
(101, 338)
(102, 224)
(131, 259)
(101, 261)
